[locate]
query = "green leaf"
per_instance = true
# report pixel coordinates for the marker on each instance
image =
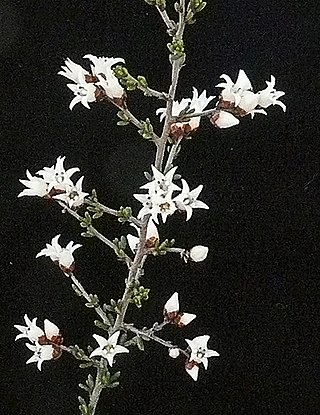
(76, 290)
(101, 325)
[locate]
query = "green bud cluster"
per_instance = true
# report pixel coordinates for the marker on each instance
(124, 214)
(139, 294)
(86, 222)
(146, 130)
(93, 301)
(161, 248)
(120, 246)
(128, 81)
(176, 49)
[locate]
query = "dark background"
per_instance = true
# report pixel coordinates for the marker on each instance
(256, 295)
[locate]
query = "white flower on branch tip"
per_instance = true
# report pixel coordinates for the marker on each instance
(36, 186)
(108, 348)
(233, 92)
(31, 331)
(197, 104)
(223, 119)
(34, 333)
(41, 353)
(84, 91)
(239, 97)
(187, 200)
(173, 314)
(56, 176)
(73, 196)
(92, 87)
(63, 256)
(102, 68)
(199, 354)
(45, 344)
(152, 236)
(269, 96)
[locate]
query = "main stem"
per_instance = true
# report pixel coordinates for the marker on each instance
(176, 66)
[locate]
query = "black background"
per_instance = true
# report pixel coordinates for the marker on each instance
(256, 295)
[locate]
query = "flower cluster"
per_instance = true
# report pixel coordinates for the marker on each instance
(45, 344)
(96, 86)
(55, 182)
(195, 105)
(62, 256)
(199, 351)
(160, 201)
(238, 99)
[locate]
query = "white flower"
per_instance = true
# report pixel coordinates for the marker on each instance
(224, 119)
(174, 352)
(56, 176)
(233, 92)
(269, 96)
(108, 348)
(101, 68)
(158, 201)
(197, 103)
(187, 200)
(61, 255)
(74, 196)
(84, 91)
(172, 313)
(41, 353)
(73, 71)
(151, 237)
(36, 185)
(199, 354)
(198, 253)
(162, 184)
(31, 331)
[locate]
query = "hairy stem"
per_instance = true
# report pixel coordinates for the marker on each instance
(84, 293)
(135, 270)
(98, 386)
(176, 66)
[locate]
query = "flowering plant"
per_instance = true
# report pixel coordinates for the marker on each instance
(165, 194)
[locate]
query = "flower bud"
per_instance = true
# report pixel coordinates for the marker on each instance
(174, 352)
(198, 253)
(224, 119)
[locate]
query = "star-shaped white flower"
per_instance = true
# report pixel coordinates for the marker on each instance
(162, 184)
(269, 96)
(233, 92)
(73, 196)
(57, 176)
(36, 186)
(197, 103)
(61, 255)
(41, 353)
(172, 312)
(158, 201)
(108, 348)
(187, 200)
(84, 91)
(31, 331)
(102, 68)
(199, 354)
